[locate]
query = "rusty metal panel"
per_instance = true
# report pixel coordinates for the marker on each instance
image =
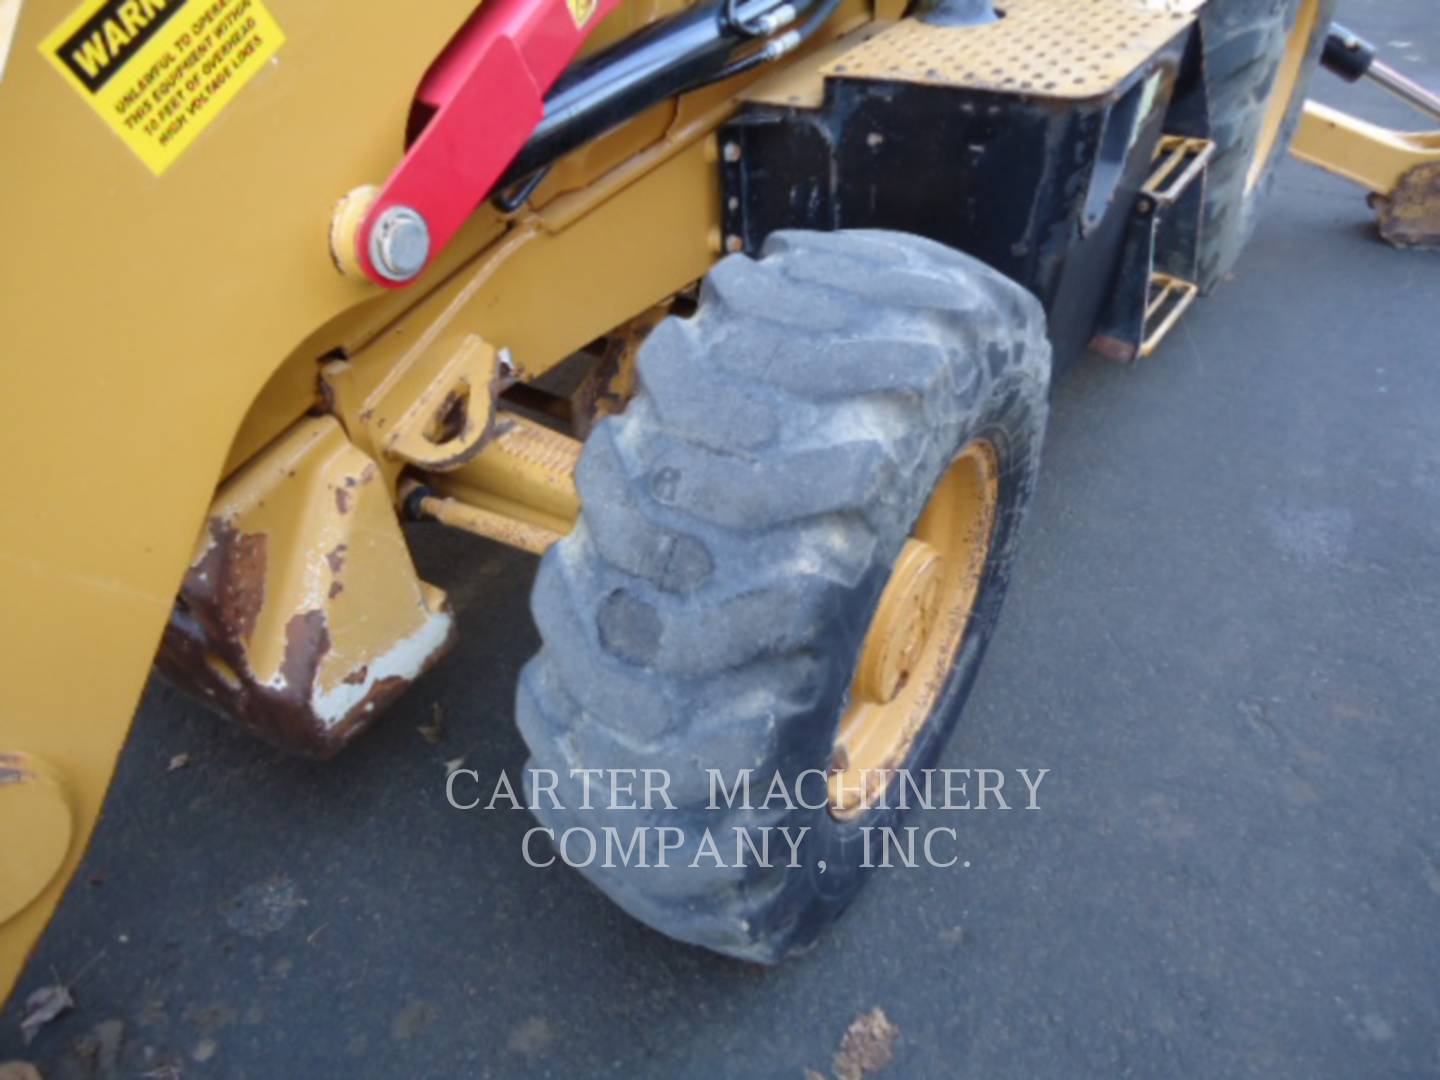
(301, 615)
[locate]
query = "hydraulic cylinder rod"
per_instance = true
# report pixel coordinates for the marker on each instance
(1351, 57)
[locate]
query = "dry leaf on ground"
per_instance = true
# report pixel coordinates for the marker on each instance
(868, 1046)
(43, 1006)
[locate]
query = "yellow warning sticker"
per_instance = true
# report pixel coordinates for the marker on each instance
(158, 71)
(581, 11)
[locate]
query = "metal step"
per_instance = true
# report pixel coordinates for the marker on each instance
(1170, 297)
(1155, 284)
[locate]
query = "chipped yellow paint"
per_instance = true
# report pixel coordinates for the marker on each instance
(332, 545)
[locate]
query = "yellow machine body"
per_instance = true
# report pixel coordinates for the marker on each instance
(143, 316)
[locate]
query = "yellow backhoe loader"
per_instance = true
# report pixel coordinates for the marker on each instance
(743, 313)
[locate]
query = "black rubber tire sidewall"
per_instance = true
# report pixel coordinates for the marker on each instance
(1244, 42)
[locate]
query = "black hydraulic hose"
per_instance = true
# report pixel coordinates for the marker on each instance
(658, 62)
(508, 201)
(777, 46)
(751, 27)
(738, 67)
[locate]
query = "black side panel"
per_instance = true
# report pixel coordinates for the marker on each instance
(1040, 189)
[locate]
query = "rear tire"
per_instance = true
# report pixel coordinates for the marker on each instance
(740, 520)
(1249, 72)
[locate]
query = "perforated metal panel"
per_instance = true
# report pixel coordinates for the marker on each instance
(1071, 49)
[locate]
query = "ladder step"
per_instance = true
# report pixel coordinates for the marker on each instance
(1181, 161)
(1169, 299)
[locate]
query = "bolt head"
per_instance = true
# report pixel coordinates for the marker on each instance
(399, 243)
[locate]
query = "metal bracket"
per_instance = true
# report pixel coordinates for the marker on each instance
(447, 420)
(435, 409)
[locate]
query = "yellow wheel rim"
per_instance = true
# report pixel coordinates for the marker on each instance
(910, 645)
(1287, 80)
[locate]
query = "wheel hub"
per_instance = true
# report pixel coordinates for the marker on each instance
(915, 633)
(903, 623)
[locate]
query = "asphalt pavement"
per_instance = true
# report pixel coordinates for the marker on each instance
(1223, 640)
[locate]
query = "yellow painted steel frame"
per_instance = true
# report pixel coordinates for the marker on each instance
(152, 328)
(142, 317)
(1372, 156)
